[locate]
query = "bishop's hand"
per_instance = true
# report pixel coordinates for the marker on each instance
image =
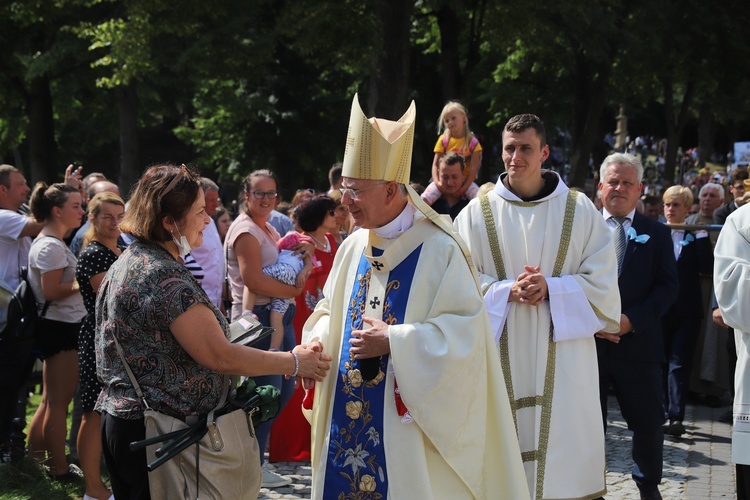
(370, 342)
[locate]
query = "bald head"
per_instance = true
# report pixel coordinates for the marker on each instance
(102, 187)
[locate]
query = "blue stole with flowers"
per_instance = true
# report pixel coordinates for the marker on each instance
(356, 462)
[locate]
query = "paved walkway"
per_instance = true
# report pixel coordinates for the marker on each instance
(696, 467)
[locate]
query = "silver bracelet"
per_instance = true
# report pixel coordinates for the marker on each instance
(296, 365)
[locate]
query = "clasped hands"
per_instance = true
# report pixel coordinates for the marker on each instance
(366, 343)
(313, 364)
(530, 287)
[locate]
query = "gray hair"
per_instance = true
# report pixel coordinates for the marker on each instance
(624, 158)
(5, 171)
(712, 185)
(208, 185)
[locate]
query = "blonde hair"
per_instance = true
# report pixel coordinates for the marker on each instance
(680, 192)
(95, 207)
(455, 106)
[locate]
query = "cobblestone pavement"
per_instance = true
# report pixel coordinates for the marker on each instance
(696, 466)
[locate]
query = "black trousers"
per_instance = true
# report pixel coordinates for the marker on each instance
(640, 394)
(16, 363)
(127, 469)
(743, 482)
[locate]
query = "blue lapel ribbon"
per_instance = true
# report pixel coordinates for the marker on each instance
(688, 238)
(639, 238)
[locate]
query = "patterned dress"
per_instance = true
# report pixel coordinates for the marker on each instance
(95, 259)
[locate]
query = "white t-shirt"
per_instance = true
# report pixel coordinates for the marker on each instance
(210, 256)
(14, 250)
(48, 254)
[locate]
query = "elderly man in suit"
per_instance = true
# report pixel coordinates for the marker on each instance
(631, 359)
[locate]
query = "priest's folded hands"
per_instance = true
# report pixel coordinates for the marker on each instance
(530, 287)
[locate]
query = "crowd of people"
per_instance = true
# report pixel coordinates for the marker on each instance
(472, 333)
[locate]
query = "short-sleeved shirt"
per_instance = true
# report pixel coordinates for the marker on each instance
(282, 223)
(143, 292)
(14, 249)
(49, 254)
(457, 145)
(269, 254)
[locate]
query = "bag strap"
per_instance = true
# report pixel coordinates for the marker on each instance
(131, 376)
(473, 143)
(224, 392)
(25, 274)
(44, 308)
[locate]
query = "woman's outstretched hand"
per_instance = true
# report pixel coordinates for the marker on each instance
(313, 363)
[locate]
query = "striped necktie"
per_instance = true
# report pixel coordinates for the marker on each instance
(620, 242)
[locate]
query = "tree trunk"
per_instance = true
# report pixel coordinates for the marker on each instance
(674, 125)
(388, 96)
(450, 67)
(706, 121)
(127, 109)
(42, 145)
(590, 99)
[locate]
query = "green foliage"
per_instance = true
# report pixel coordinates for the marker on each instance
(233, 85)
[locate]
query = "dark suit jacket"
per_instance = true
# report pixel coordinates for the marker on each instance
(648, 286)
(696, 258)
(721, 213)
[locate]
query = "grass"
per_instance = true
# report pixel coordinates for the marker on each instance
(27, 480)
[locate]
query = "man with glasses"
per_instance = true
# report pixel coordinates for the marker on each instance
(417, 409)
(737, 188)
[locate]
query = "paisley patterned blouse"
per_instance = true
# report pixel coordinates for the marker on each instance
(140, 296)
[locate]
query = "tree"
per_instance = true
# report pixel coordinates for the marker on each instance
(39, 50)
(558, 62)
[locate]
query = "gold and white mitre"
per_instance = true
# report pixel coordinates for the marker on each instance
(380, 150)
